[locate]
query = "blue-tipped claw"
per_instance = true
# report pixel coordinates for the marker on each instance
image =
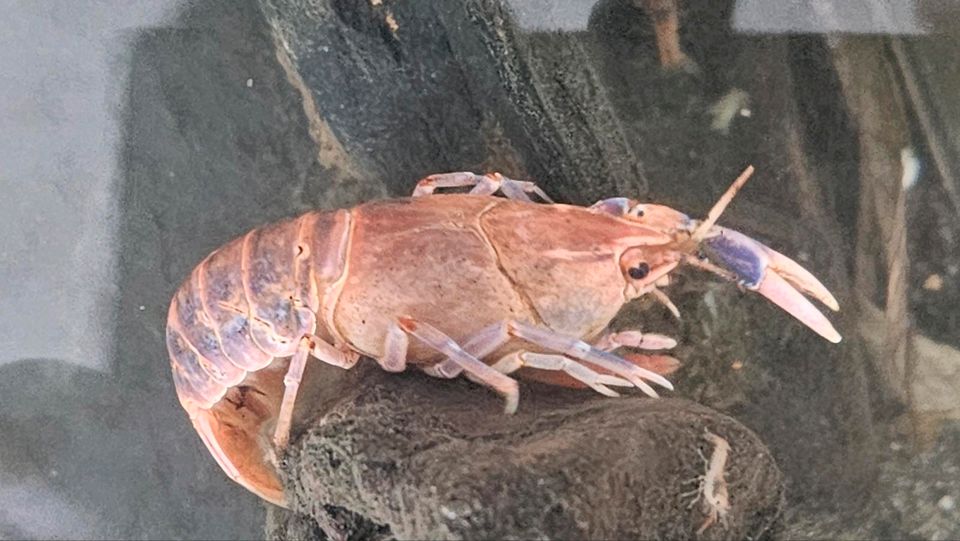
(773, 275)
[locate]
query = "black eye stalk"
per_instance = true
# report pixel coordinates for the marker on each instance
(639, 272)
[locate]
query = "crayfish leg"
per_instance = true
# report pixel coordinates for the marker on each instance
(634, 339)
(475, 368)
(574, 347)
(559, 365)
(320, 349)
(480, 345)
(567, 367)
(659, 364)
(488, 184)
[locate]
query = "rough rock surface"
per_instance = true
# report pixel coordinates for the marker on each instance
(420, 87)
(412, 457)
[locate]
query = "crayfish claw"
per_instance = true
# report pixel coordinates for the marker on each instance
(777, 289)
(772, 274)
(800, 278)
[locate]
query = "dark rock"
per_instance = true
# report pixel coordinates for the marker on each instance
(412, 457)
(420, 87)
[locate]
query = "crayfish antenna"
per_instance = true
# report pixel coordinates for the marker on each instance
(701, 232)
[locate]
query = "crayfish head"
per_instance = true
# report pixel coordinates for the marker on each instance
(647, 265)
(647, 260)
(660, 218)
(725, 252)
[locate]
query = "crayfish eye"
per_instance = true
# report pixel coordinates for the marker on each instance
(639, 272)
(637, 211)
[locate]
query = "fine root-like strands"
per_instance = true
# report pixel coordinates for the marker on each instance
(712, 485)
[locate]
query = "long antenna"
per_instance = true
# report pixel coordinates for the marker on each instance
(721, 205)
